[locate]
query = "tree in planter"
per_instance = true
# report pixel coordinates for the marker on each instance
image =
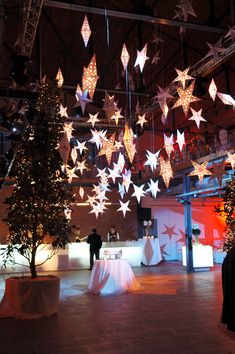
(227, 209)
(40, 195)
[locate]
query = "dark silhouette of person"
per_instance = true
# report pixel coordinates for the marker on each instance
(95, 242)
(228, 284)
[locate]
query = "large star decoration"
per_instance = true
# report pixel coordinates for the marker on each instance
(85, 31)
(200, 170)
(138, 192)
(90, 77)
(218, 172)
(152, 159)
(166, 171)
(169, 230)
(108, 148)
(197, 117)
(186, 97)
(183, 76)
(81, 98)
(180, 140)
(153, 188)
(141, 120)
(141, 58)
(124, 207)
(231, 159)
(93, 119)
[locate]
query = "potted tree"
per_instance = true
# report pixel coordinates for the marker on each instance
(38, 205)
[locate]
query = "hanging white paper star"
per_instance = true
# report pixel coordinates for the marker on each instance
(113, 174)
(162, 96)
(139, 192)
(81, 146)
(81, 192)
(197, 117)
(81, 165)
(71, 174)
(121, 190)
(126, 179)
(183, 76)
(97, 137)
(81, 98)
(187, 9)
(226, 99)
(169, 144)
(180, 139)
(124, 207)
(85, 31)
(215, 50)
(121, 162)
(152, 159)
(212, 89)
(231, 33)
(74, 154)
(141, 58)
(231, 159)
(200, 170)
(90, 77)
(166, 171)
(141, 120)
(63, 111)
(125, 57)
(153, 188)
(93, 119)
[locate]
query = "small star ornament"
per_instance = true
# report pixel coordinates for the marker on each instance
(108, 148)
(153, 188)
(231, 159)
(124, 207)
(81, 97)
(200, 170)
(197, 117)
(90, 77)
(141, 120)
(98, 136)
(141, 58)
(169, 144)
(183, 76)
(138, 192)
(93, 119)
(152, 159)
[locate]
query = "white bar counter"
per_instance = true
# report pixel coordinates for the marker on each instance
(202, 256)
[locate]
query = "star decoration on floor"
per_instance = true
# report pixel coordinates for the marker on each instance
(138, 192)
(153, 188)
(169, 144)
(63, 111)
(169, 230)
(212, 89)
(141, 58)
(152, 159)
(81, 166)
(186, 97)
(231, 159)
(59, 78)
(165, 171)
(98, 136)
(183, 76)
(200, 170)
(141, 120)
(197, 117)
(81, 98)
(108, 148)
(124, 207)
(180, 140)
(218, 172)
(90, 77)
(93, 119)
(81, 146)
(85, 31)
(125, 57)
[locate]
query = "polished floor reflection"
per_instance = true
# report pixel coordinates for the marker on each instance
(174, 313)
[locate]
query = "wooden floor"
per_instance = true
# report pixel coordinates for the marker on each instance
(175, 313)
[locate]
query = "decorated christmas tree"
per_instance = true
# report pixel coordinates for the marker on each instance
(40, 197)
(227, 209)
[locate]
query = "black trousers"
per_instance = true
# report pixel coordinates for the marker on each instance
(97, 256)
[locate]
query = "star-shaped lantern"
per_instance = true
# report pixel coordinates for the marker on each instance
(169, 144)
(215, 50)
(200, 170)
(128, 142)
(109, 106)
(218, 172)
(108, 148)
(180, 139)
(231, 33)
(166, 171)
(186, 97)
(81, 98)
(138, 192)
(197, 117)
(124, 207)
(63, 111)
(152, 159)
(93, 119)
(126, 179)
(85, 31)
(125, 57)
(97, 137)
(183, 76)
(226, 99)
(141, 120)
(141, 58)
(81, 146)
(121, 190)
(59, 78)
(153, 188)
(81, 165)
(90, 77)
(212, 89)
(231, 159)
(117, 115)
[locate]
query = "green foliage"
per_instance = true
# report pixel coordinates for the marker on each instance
(227, 210)
(40, 193)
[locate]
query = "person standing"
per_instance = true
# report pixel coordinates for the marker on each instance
(95, 243)
(113, 235)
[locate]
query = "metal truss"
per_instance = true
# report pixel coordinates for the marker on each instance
(30, 24)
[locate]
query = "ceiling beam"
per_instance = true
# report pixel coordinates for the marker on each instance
(132, 16)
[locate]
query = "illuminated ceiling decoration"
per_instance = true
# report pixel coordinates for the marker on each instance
(156, 58)
(218, 172)
(81, 192)
(200, 170)
(81, 98)
(212, 89)
(197, 117)
(128, 143)
(117, 115)
(74, 154)
(125, 57)
(90, 77)
(93, 119)
(185, 7)
(152, 159)
(226, 99)
(153, 188)
(81, 166)
(215, 50)
(109, 106)
(183, 76)
(81, 146)
(63, 111)
(113, 174)
(121, 190)
(185, 98)
(141, 58)
(231, 159)
(141, 120)
(108, 148)
(165, 171)
(138, 192)
(126, 179)
(180, 140)
(59, 78)
(124, 207)
(85, 31)
(98, 136)
(169, 144)
(162, 96)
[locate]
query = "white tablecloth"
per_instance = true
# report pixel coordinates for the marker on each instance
(151, 252)
(112, 277)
